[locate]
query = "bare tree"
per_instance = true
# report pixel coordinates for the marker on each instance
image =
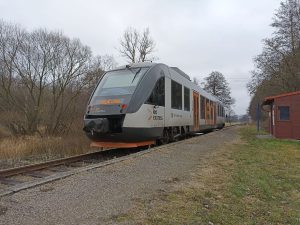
(106, 62)
(67, 81)
(129, 44)
(279, 61)
(11, 37)
(277, 67)
(99, 65)
(217, 85)
(42, 76)
(136, 46)
(196, 81)
(146, 45)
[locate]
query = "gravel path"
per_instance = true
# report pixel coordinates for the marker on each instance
(97, 196)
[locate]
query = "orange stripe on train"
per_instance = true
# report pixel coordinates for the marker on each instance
(110, 101)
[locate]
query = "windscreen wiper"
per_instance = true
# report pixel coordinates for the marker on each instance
(135, 75)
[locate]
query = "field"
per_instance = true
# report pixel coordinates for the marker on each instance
(253, 181)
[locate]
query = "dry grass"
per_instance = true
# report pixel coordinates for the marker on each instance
(4, 132)
(23, 150)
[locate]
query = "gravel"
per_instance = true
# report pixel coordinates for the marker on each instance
(98, 196)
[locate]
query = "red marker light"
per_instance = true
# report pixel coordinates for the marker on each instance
(123, 106)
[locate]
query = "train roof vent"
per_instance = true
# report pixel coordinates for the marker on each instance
(181, 72)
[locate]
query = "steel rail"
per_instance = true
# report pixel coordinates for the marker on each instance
(39, 166)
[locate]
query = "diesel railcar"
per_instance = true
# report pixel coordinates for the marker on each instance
(142, 103)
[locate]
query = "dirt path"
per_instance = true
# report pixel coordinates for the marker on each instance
(101, 195)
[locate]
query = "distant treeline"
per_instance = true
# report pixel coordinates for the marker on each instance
(277, 68)
(45, 80)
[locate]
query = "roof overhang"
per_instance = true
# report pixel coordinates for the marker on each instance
(269, 100)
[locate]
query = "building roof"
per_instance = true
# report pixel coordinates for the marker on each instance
(270, 99)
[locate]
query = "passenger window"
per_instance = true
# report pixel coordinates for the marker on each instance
(176, 95)
(284, 112)
(157, 96)
(207, 109)
(186, 99)
(202, 107)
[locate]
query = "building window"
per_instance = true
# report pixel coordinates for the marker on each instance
(284, 112)
(202, 107)
(186, 99)
(176, 95)
(157, 96)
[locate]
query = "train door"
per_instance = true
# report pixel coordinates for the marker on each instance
(196, 110)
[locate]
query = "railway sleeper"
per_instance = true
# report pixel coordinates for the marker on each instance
(9, 181)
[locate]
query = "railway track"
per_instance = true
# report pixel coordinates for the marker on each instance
(20, 178)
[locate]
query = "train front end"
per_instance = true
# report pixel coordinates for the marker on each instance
(107, 108)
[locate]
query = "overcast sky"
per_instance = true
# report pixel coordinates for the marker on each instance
(198, 36)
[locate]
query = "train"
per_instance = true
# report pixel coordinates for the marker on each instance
(147, 103)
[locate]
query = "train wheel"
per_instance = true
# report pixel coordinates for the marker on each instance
(165, 139)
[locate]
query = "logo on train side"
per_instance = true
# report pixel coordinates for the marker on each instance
(152, 115)
(174, 115)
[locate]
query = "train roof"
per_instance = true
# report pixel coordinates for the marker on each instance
(135, 65)
(181, 72)
(178, 71)
(151, 64)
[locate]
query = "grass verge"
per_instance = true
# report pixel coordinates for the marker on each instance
(254, 181)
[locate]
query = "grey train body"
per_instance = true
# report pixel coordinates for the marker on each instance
(148, 101)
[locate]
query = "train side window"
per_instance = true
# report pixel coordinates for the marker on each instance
(186, 99)
(202, 107)
(176, 95)
(157, 96)
(207, 109)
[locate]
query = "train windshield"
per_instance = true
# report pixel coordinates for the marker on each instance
(120, 82)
